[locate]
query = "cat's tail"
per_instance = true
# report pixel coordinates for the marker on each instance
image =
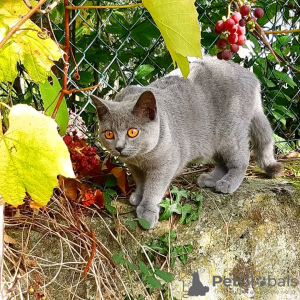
(263, 145)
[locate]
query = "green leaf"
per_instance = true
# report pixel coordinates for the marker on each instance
(34, 49)
(179, 193)
(144, 223)
(153, 282)
(144, 269)
(143, 70)
(118, 259)
(284, 77)
(131, 224)
(186, 209)
(107, 203)
(169, 208)
(282, 144)
(166, 276)
(178, 23)
(111, 181)
(32, 155)
(50, 95)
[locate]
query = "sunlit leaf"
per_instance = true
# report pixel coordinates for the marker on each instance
(50, 95)
(34, 49)
(177, 21)
(32, 154)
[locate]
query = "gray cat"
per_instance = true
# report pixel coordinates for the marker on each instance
(156, 130)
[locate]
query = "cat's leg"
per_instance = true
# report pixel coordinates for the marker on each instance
(210, 179)
(156, 184)
(139, 179)
(237, 160)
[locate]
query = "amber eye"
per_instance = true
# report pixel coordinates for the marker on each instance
(109, 134)
(132, 132)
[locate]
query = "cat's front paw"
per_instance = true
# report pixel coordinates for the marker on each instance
(135, 198)
(225, 187)
(149, 212)
(205, 180)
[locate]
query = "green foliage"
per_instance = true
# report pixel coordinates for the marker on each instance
(188, 212)
(165, 245)
(148, 275)
(50, 95)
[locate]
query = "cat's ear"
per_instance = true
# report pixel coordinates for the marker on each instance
(145, 107)
(102, 109)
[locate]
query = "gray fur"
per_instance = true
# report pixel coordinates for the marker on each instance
(212, 114)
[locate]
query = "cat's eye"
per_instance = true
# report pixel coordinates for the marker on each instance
(109, 134)
(132, 132)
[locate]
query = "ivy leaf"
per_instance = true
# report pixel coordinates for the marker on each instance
(34, 49)
(50, 96)
(177, 21)
(169, 208)
(179, 193)
(32, 154)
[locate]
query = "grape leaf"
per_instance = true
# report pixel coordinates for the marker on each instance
(34, 49)
(32, 155)
(178, 23)
(50, 96)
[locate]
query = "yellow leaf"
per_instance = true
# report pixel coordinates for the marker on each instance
(177, 21)
(29, 46)
(32, 154)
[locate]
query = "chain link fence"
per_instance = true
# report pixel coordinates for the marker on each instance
(121, 47)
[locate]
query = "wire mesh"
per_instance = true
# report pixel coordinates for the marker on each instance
(121, 47)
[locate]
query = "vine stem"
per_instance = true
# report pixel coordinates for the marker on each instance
(21, 22)
(105, 6)
(65, 59)
(281, 31)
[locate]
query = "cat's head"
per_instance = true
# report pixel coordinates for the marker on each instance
(130, 127)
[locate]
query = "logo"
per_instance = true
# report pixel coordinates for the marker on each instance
(192, 285)
(196, 288)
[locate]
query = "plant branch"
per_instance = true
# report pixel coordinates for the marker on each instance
(21, 22)
(281, 31)
(81, 90)
(104, 6)
(43, 11)
(65, 59)
(261, 35)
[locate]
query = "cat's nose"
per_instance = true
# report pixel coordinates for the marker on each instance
(119, 149)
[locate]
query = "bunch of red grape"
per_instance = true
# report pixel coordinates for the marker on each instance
(83, 157)
(233, 31)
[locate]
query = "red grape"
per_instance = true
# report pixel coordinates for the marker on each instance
(220, 26)
(217, 31)
(236, 17)
(241, 40)
(243, 22)
(244, 10)
(233, 29)
(227, 55)
(234, 48)
(258, 13)
(232, 38)
(221, 44)
(240, 30)
(220, 55)
(229, 23)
